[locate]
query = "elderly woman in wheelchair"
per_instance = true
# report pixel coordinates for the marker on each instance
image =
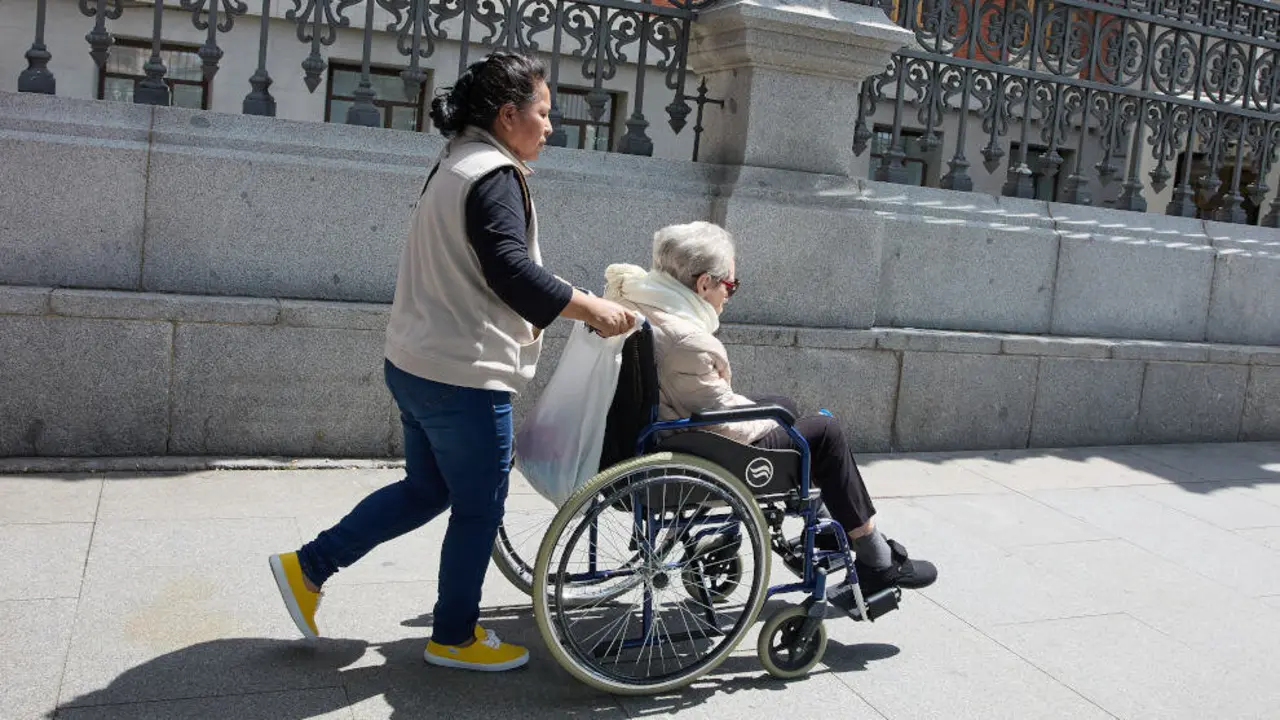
(653, 572)
(693, 277)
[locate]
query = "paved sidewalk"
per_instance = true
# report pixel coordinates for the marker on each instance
(1097, 583)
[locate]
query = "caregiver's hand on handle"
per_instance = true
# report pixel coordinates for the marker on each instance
(606, 317)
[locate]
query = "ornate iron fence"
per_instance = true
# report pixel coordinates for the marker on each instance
(1192, 84)
(599, 36)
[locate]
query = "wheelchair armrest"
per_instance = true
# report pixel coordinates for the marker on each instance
(746, 412)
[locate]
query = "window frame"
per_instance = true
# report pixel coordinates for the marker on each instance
(205, 83)
(611, 124)
(907, 134)
(420, 115)
(1035, 154)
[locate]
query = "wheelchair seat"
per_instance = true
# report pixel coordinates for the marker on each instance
(770, 474)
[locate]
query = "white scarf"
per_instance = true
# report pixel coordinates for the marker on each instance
(659, 290)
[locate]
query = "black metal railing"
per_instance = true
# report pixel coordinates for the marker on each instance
(595, 36)
(1188, 84)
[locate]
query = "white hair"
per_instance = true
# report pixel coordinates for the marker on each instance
(687, 251)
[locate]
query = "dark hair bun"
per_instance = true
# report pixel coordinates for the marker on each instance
(446, 115)
(483, 89)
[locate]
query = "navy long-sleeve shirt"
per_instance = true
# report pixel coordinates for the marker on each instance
(496, 228)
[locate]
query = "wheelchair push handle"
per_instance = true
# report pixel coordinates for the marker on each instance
(640, 326)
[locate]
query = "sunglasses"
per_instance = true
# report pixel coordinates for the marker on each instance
(731, 285)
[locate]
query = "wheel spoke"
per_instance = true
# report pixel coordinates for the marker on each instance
(685, 634)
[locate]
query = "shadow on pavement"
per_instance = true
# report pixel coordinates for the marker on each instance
(262, 678)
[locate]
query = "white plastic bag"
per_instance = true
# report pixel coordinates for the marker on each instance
(558, 446)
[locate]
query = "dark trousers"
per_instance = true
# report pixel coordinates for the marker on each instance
(831, 464)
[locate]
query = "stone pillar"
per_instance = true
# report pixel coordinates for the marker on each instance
(790, 74)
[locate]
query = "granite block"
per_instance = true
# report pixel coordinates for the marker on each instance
(948, 401)
(952, 274)
(278, 391)
(19, 300)
(857, 386)
(1245, 305)
(937, 341)
(1183, 402)
(1086, 402)
(1160, 350)
(70, 386)
(345, 316)
(782, 251)
(1132, 288)
(107, 304)
(53, 152)
(1262, 405)
(1043, 346)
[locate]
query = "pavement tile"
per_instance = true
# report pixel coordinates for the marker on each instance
(33, 645)
(1269, 536)
(1215, 620)
(1009, 519)
(1218, 462)
(1087, 583)
(922, 662)
(403, 685)
(939, 474)
(1268, 492)
(741, 688)
(1208, 550)
(1028, 471)
(980, 582)
(1130, 576)
(1134, 671)
(415, 556)
(1226, 506)
(412, 557)
(228, 494)
(244, 542)
(321, 704)
(48, 498)
(56, 550)
(170, 633)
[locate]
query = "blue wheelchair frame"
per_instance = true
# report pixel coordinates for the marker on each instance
(814, 577)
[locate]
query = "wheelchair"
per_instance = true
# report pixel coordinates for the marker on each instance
(655, 570)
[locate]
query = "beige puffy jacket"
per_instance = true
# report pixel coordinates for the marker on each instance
(693, 367)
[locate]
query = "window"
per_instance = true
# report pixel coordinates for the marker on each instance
(921, 165)
(1208, 206)
(188, 87)
(1047, 186)
(396, 110)
(583, 132)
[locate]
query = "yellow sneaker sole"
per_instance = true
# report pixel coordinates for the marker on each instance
(290, 602)
(481, 667)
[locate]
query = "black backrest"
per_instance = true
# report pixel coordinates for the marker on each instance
(635, 402)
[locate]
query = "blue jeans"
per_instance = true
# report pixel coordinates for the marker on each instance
(457, 447)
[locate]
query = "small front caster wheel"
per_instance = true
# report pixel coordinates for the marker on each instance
(782, 649)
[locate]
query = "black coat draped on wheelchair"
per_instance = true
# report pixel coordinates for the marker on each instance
(653, 572)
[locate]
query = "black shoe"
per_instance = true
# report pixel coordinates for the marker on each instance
(903, 572)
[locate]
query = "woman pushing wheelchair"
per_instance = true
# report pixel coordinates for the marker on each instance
(692, 278)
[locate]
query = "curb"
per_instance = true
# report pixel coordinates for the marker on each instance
(27, 465)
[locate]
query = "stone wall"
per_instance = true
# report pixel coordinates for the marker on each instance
(199, 283)
(110, 196)
(90, 372)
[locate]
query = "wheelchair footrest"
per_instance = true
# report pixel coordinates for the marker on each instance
(878, 605)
